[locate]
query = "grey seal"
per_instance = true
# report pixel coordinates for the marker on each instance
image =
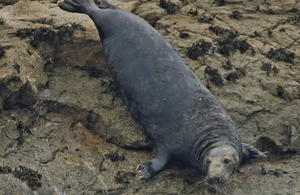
(165, 96)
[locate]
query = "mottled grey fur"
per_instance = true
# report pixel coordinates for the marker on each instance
(163, 94)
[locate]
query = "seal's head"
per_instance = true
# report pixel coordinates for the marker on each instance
(220, 163)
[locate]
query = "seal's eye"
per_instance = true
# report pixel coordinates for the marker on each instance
(208, 161)
(227, 161)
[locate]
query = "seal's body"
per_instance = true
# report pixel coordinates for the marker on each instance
(164, 95)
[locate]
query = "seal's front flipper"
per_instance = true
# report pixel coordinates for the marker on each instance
(249, 152)
(154, 166)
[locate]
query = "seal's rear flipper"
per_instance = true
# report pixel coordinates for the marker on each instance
(249, 152)
(103, 4)
(154, 166)
(77, 6)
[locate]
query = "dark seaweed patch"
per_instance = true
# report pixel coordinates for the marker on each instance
(266, 66)
(124, 177)
(184, 35)
(169, 6)
(48, 35)
(227, 65)
(115, 157)
(281, 55)
(218, 30)
(31, 177)
(220, 2)
(37, 35)
(269, 68)
(2, 51)
(215, 76)
(5, 170)
(236, 15)
(199, 48)
(205, 18)
(228, 43)
(232, 77)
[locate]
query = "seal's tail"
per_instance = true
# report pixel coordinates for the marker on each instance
(77, 6)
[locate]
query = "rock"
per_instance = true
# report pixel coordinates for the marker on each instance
(93, 101)
(22, 74)
(150, 12)
(129, 6)
(192, 10)
(10, 185)
(63, 124)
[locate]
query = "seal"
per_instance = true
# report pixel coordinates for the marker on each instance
(165, 96)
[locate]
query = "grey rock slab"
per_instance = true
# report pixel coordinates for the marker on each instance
(150, 12)
(9, 185)
(89, 103)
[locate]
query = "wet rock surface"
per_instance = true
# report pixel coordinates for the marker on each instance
(64, 130)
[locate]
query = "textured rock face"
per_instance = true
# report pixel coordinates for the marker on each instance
(63, 124)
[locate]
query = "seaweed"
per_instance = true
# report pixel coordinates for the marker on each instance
(2, 51)
(169, 6)
(215, 76)
(184, 35)
(232, 77)
(269, 68)
(115, 157)
(236, 15)
(47, 35)
(124, 177)
(31, 177)
(281, 55)
(206, 19)
(199, 48)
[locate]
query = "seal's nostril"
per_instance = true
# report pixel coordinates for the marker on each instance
(210, 181)
(215, 179)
